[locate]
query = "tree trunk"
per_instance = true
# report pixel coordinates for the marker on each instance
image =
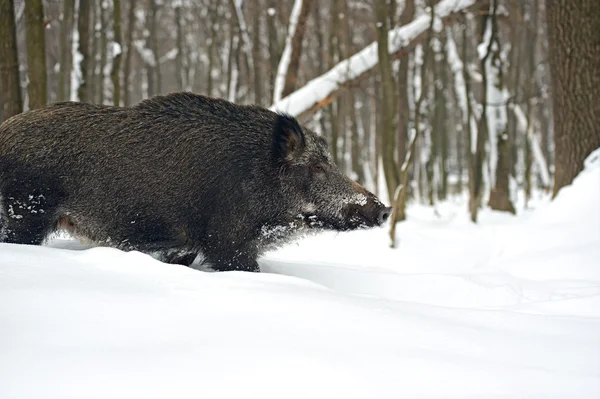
(355, 142)
(574, 57)
(36, 53)
(116, 66)
(83, 27)
(274, 52)
(180, 47)
(257, 55)
(291, 72)
(497, 121)
(389, 100)
(127, 67)
(402, 195)
(403, 102)
(63, 88)
(154, 74)
(102, 49)
(442, 118)
(333, 108)
(211, 48)
(9, 62)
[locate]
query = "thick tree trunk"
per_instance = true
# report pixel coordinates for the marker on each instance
(116, 66)
(574, 57)
(36, 53)
(9, 62)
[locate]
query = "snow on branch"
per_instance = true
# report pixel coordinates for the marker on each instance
(321, 90)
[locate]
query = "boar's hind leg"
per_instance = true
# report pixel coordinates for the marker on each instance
(28, 213)
(178, 258)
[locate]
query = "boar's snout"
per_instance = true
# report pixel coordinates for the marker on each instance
(366, 212)
(384, 214)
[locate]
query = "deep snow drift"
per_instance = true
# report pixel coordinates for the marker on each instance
(509, 308)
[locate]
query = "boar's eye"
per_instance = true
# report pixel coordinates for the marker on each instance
(319, 170)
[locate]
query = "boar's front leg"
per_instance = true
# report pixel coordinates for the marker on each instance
(239, 260)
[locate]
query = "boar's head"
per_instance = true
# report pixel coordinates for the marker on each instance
(314, 188)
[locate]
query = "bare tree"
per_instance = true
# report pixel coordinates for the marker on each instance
(63, 87)
(117, 52)
(389, 99)
(129, 53)
(36, 53)
(287, 72)
(83, 28)
(401, 195)
(9, 62)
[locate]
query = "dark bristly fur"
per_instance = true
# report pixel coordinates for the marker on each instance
(177, 175)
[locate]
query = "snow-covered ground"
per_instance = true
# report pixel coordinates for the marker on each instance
(509, 308)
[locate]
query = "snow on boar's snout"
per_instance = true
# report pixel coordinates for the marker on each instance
(365, 210)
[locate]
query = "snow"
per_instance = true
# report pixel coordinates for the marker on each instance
(116, 49)
(321, 87)
(507, 308)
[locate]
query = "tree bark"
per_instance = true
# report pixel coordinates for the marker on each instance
(388, 100)
(116, 66)
(9, 62)
(36, 53)
(574, 58)
(333, 108)
(83, 27)
(403, 104)
(103, 44)
(129, 53)
(500, 193)
(257, 55)
(154, 74)
(402, 195)
(291, 76)
(63, 88)
(274, 51)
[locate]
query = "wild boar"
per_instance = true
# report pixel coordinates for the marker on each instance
(176, 175)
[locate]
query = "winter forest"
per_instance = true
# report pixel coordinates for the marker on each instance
(477, 120)
(460, 103)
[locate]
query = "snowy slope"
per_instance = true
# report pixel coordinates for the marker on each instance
(507, 309)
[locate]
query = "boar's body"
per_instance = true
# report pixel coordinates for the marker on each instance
(175, 175)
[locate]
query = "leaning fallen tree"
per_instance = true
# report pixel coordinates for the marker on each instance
(323, 89)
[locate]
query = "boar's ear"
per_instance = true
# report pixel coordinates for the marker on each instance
(288, 139)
